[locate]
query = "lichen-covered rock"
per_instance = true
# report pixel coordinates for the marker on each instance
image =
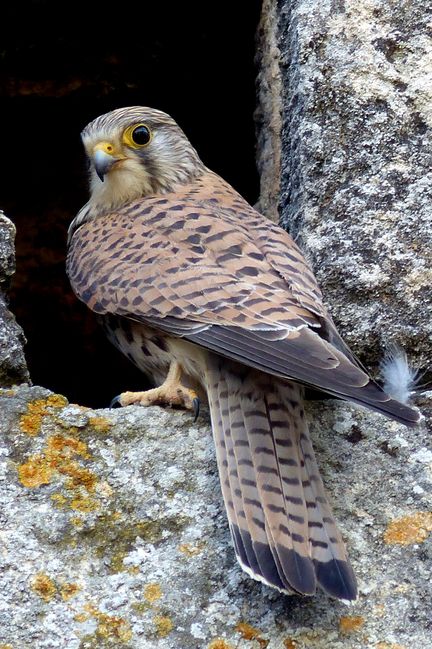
(268, 114)
(356, 163)
(113, 533)
(13, 367)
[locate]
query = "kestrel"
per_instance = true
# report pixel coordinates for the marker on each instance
(214, 301)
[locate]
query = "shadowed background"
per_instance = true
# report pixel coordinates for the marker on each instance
(59, 70)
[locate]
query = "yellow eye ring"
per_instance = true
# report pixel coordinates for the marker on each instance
(137, 136)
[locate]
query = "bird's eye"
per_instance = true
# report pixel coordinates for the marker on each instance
(137, 135)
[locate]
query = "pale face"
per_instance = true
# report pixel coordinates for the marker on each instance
(136, 152)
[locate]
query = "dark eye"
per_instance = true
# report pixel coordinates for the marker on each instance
(141, 135)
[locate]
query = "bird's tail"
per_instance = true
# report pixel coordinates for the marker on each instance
(282, 526)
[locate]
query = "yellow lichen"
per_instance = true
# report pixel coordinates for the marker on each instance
(350, 623)
(59, 500)
(6, 646)
(249, 632)
(110, 627)
(61, 456)
(56, 401)
(163, 625)
(388, 645)
(83, 504)
(289, 644)
(219, 643)
(133, 570)
(63, 447)
(81, 617)
(100, 424)
(141, 607)
(413, 528)
(77, 521)
(44, 586)
(35, 472)
(69, 590)
(79, 476)
(152, 592)
(191, 550)
(31, 421)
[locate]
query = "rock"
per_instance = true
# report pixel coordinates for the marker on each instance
(356, 175)
(13, 367)
(113, 533)
(268, 115)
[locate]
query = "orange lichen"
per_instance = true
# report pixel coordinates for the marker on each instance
(81, 617)
(218, 643)
(289, 644)
(152, 592)
(79, 477)
(44, 586)
(83, 504)
(62, 447)
(59, 500)
(163, 625)
(77, 521)
(388, 645)
(35, 472)
(113, 627)
(249, 632)
(413, 528)
(110, 627)
(61, 456)
(350, 623)
(30, 423)
(191, 550)
(100, 424)
(69, 590)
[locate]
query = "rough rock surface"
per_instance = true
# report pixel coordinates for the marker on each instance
(13, 367)
(268, 114)
(356, 162)
(113, 534)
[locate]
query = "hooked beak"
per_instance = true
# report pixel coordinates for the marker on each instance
(104, 157)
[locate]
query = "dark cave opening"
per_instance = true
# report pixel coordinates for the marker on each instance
(60, 67)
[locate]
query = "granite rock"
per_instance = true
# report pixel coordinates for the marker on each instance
(113, 533)
(356, 173)
(13, 367)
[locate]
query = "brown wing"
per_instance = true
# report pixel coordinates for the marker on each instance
(223, 277)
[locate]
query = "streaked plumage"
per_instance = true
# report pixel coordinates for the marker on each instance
(182, 269)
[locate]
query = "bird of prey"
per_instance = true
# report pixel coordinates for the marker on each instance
(214, 301)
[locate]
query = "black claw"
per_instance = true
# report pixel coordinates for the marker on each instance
(115, 402)
(196, 407)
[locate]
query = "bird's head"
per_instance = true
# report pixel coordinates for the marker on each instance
(136, 152)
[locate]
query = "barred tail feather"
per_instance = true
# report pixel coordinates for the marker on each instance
(283, 530)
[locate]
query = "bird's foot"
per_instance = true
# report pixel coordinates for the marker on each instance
(170, 393)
